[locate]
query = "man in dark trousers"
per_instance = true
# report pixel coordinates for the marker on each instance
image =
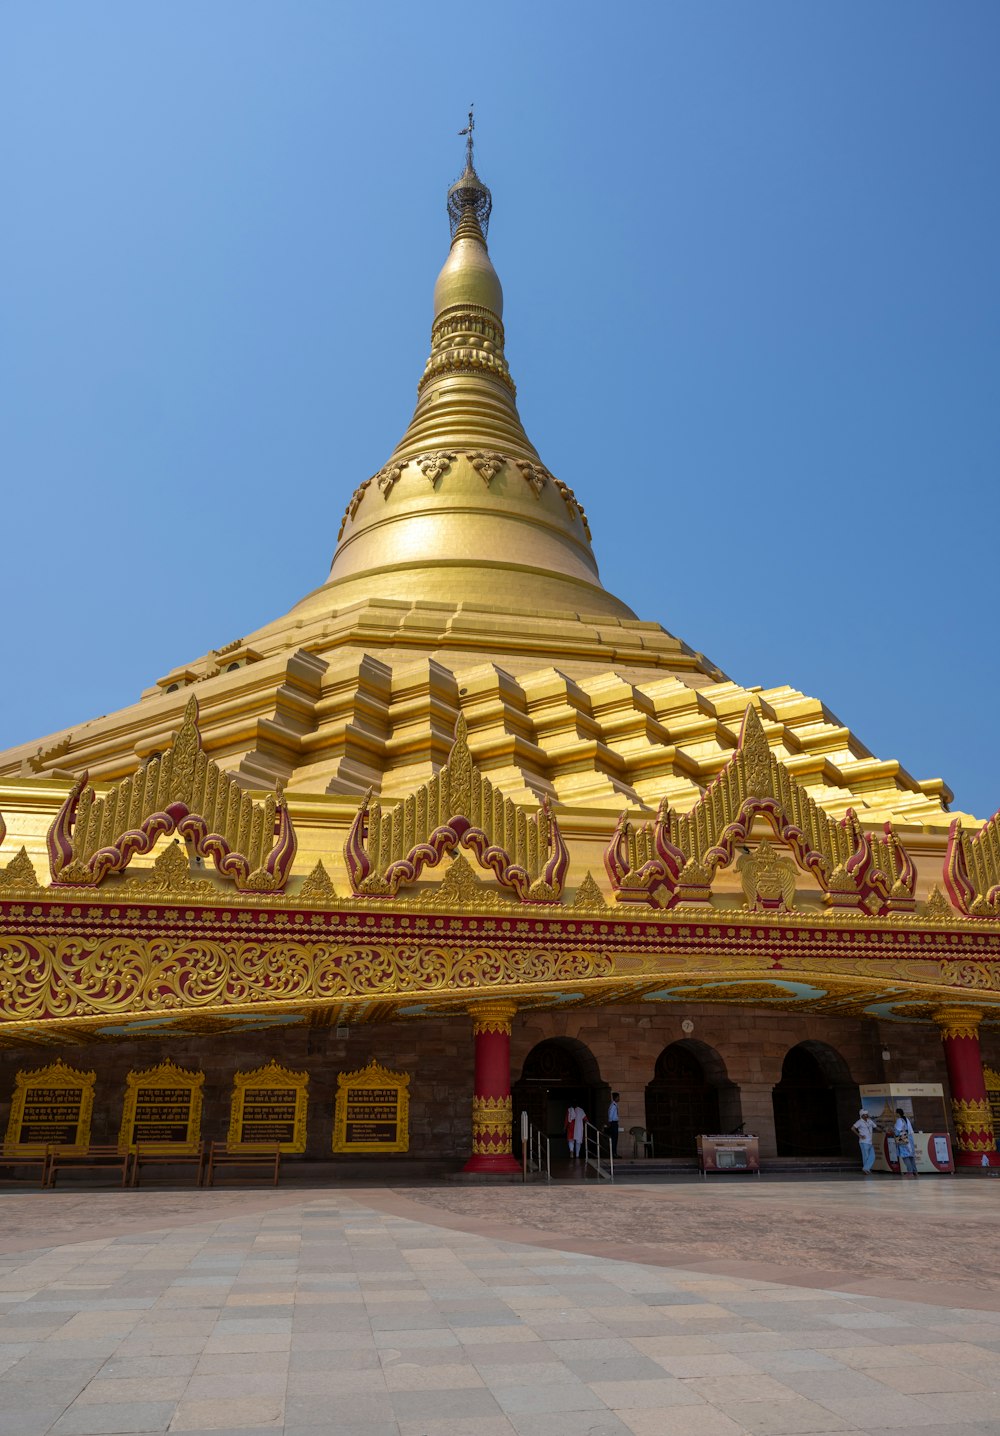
(613, 1123)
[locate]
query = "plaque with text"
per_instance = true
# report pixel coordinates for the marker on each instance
(373, 1111)
(269, 1107)
(51, 1107)
(162, 1111)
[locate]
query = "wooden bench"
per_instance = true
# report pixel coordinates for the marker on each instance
(159, 1158)
(220, 1155)
(40, 1160)
(98, 1159)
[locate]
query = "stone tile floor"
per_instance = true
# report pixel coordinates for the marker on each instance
(673, 1310)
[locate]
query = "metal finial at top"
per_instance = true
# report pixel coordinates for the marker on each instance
(468, 192)
(468, 132)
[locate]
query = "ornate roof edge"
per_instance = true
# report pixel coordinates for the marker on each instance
(458, 808)
(183, 790)
(972, 868)
(673, 859)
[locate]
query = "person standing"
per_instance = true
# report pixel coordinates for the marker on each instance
(613, 1123)
(864, 1127)
(903, 1132)
(575, 1118)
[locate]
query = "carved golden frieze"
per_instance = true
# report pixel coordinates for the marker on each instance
(126, 976)
(487, 463)
(458, 807)
(672, 860)
(252, 844)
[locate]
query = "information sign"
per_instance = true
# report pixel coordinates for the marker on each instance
(51, 1107)
(162, 1110)
(373, 1111)
(269, 1107)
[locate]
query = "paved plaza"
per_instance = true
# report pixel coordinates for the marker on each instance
(691, 1308)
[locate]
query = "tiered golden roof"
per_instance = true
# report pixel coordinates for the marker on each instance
(464, 581)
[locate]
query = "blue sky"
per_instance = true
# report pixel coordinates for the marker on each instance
(749, 253)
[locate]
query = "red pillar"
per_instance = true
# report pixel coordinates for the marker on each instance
(491, 1100)
(970, 1105)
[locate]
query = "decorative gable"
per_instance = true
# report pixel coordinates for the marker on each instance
(674, 858)
(457, 808)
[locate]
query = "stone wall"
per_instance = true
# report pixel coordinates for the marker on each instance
(623, 1043)
(437, 1054)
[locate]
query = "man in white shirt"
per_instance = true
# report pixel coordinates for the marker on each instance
(865, 1127)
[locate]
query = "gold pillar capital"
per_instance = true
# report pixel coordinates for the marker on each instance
(492, 1016)
(958, 1021)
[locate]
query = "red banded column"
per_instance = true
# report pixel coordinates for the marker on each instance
(969, 1103)
(491, 1100)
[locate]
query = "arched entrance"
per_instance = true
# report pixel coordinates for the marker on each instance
(814, 1103)
(690, 1094)
(558, 1073)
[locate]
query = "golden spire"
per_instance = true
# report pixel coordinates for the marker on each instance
(464, 510)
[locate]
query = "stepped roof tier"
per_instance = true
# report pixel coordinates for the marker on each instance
(464, 580)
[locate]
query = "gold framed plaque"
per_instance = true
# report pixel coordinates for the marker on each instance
(162, 1110)
(269, 1106)
(373, 1111)
(51, 1107)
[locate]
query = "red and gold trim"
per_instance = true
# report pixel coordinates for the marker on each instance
(491, 1099)
(969, 1103)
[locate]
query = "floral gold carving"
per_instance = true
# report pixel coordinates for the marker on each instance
(128, 976)
(535, 475)
(589, 897)
(768, 881)
(433, 466)
(937, 907)
(318, 886)
(388, 476)
(486, 464)
(19, 873)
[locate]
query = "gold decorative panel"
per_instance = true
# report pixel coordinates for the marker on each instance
(162, 1110)
(373, 1110)
(269, 1106)
(51, 1107)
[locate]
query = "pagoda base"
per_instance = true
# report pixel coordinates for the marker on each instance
(975, 1159)
(503, 1164)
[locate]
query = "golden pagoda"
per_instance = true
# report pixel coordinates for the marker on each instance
(461, 827)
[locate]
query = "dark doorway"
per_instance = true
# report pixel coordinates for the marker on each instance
(690, 1094)
(557, 1074)
(813, 1101)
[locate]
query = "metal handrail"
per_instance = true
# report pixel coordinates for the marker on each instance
(592, 1151)
(535, 1148)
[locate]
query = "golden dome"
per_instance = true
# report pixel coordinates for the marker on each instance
(465, 510)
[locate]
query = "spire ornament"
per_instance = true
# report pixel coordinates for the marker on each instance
(468, 196)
